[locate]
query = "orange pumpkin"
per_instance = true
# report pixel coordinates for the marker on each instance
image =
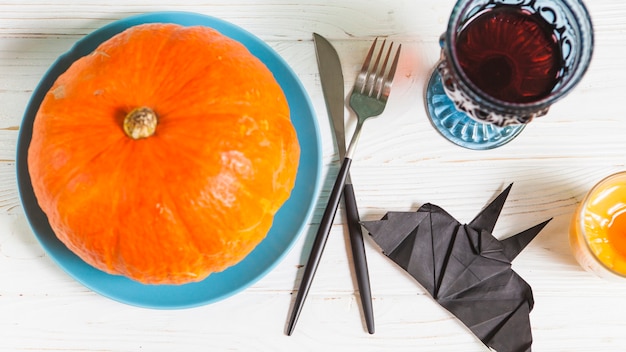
(164, 155)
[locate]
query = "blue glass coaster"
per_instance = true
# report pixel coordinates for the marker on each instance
(459, 128)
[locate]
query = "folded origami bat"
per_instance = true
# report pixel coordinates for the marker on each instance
(465, 268)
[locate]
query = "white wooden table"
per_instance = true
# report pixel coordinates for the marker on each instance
(401, 163)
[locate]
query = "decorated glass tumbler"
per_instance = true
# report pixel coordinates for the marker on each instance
(503, 63)
(598, 228)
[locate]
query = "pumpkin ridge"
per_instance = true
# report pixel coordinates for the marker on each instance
(209, 64)
(175, 210)
(167, 269)
(245, 75)
(157, 53)
(155, 38)
(208, 93)
(188, 228)
(203, 255)
(73, 173)
(74, 236)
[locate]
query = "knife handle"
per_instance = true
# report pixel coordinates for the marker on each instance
(358, 255)
(319, 243)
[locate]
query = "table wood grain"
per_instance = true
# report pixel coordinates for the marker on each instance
(401, 163)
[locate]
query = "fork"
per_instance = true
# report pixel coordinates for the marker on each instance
(368, 99)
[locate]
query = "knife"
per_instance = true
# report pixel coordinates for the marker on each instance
(332, 87)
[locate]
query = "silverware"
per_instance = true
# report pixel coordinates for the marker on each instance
(368, 99)
(332, 86)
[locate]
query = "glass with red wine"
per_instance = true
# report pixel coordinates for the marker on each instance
(504, 63)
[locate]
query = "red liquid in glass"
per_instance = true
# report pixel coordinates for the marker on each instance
(510, 54)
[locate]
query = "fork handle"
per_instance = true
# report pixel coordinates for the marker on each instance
(319, 243)
(358, 255)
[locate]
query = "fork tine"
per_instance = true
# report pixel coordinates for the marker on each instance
(386, 86)
(394, 65)
(372, 72)
(363, 76)
(368, 58)
(380, 77)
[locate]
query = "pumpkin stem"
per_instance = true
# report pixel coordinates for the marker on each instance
(140, 123)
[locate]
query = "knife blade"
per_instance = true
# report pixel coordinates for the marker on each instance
(333, 88)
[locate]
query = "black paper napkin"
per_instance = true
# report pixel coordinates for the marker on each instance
(465, 268)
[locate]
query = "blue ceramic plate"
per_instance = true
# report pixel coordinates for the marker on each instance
(289, 221)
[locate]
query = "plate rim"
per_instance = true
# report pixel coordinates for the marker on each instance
(80, 48)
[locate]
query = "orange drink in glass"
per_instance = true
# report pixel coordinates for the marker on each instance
(598, 228)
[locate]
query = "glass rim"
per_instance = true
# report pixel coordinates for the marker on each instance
(580, 223)
(449, 46)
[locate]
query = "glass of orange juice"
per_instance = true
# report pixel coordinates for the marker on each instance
(598, 228)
